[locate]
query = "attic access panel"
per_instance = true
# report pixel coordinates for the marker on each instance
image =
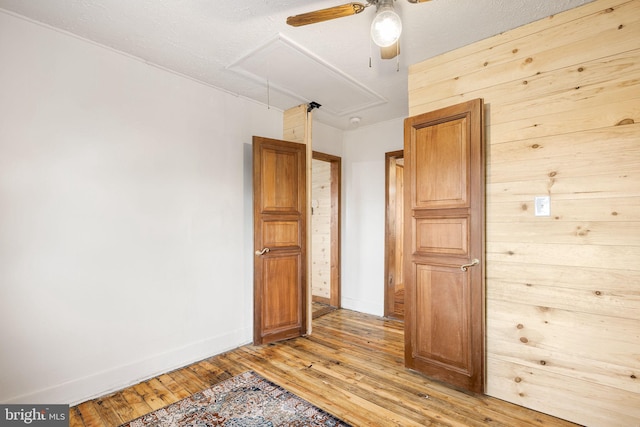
(292, 70)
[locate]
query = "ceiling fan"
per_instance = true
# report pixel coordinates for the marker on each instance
(385, 28)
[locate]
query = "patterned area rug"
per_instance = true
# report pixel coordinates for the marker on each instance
(244, 400)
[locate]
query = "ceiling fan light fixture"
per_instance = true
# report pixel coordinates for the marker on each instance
(386, 26)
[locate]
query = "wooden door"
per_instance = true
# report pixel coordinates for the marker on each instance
(280, 262)
(444, 233)
(394, 235)
(398, 291)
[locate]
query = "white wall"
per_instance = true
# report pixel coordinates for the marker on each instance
(327, 139)
(125, 217)
(363, 220)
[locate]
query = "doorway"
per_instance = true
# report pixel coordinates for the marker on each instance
(394, 233)
(325, 233)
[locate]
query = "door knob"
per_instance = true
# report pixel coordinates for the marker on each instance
(474, 261)
(263, 251)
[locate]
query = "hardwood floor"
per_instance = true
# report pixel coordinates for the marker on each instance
(351, 366)
(319, 309)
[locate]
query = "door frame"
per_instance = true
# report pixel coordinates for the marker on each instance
(336, 208)
(390, 235)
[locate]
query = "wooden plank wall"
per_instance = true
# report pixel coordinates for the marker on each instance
(297, 127)
(563, 292)
(321, 231)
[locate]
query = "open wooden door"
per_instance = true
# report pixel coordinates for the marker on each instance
(280, 224)
(394, 235)
(444, 234)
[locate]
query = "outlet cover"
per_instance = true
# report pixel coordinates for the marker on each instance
(543, 206)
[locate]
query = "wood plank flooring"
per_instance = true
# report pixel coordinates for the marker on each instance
(319, 309)
(351, 366)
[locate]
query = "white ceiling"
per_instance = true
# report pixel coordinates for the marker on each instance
(246, 48)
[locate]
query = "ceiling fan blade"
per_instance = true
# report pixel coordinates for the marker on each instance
(390, 52)
(325, 14)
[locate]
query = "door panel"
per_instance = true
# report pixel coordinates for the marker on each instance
(444, 227)
(443, 292)
(434, 146)
(280, 263)
(447, 235)
(280, 184)
(279, 304)
(281, 234)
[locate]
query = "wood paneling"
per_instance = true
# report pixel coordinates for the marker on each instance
(297, 127)
(563, 120)
(295, 124)
(321, 230)
(351, 366)
(329, 212)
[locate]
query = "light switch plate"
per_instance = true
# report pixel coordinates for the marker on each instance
(543, 206)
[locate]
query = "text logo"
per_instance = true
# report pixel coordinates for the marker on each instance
(34, 415)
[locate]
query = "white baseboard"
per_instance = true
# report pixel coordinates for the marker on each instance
(369, 307)
(108, 381)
